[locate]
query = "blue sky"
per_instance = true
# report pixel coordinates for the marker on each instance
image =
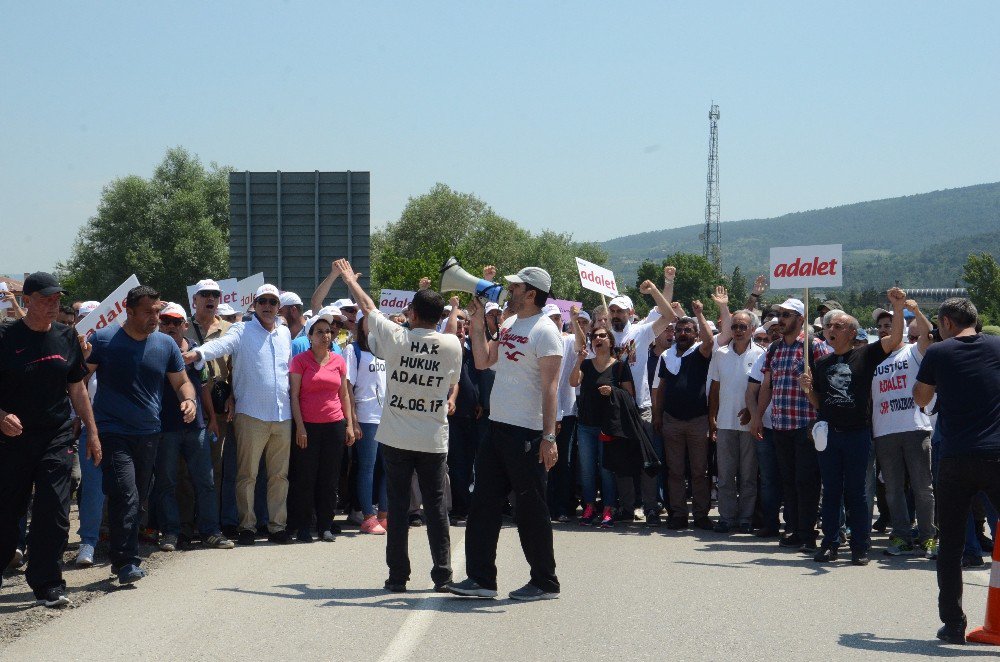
(582, 117)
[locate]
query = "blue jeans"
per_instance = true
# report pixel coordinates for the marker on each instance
(371, 472)
(230, 516)
(770, 481)
(91, 496)
(591, 451)
(843, 467)
(196, 448)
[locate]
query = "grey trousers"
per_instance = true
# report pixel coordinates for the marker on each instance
(737, 461)
(900, 454)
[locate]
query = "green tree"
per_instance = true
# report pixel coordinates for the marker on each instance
(170, 230)
(444, 223)
(982, 273)
(738, 289)
(696, 279)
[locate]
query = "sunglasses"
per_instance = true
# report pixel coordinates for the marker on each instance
(785, 314)
(684, 331)
(208, 294)
(267, 302)
(762, 339)
(171, 321)
(738, 327)
(598, 336)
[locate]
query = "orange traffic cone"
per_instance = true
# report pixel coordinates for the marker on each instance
(990, 632)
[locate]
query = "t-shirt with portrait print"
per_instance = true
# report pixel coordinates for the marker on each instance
(843, 384)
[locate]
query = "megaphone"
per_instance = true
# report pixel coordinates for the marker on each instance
(456, 279)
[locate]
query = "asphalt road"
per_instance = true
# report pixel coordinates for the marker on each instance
(627, 594)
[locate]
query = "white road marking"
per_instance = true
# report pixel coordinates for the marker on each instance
(410, 633)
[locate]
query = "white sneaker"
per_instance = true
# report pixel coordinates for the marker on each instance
(328, 536)
(168, 543)
(85, 555)
(356, 517)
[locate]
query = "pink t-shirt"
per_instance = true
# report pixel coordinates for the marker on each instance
(319, 395)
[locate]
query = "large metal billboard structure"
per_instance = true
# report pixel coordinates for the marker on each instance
(291, 225)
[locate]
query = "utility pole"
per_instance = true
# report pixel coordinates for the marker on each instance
(713, 232)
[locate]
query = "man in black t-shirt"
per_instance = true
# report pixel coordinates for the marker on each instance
(680, 412)
(964, 372)
(840, 389)
(41, 372)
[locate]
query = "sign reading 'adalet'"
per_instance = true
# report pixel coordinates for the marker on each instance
(596, 278)
(395, 301)
(796, 267)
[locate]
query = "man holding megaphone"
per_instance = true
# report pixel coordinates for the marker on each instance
(522, 445)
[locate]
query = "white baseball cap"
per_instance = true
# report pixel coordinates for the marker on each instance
(585, 315)
(207, 285)
(267, 288)
(490, 307)
(345, 303)
(225, 309)
(327, 313)
(534, 276)
(622, 302)
(759, 329)
(550, 309)
(171, 309)
(794, 305)
(87, 307)
(290, 299)
(768, 324)
(879, 312)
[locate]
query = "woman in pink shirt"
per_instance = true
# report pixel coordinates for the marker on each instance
(323, 425)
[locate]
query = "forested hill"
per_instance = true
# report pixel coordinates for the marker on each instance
(918, 240)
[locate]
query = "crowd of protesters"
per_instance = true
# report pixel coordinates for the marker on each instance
(221, 428)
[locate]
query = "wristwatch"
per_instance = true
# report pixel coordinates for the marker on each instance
(551, 438)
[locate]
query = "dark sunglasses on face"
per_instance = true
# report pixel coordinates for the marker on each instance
(785, 314)
(739, 327)
(267, 302)
(598, 336)
(762, 339)
(208, 294)
(171, 321)
(684, 331)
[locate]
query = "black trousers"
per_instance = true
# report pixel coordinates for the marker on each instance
(560, 480)
(431, 469)
(959, 480)
(314, 475)
(798, 466)
(128, 473)
(509, 460)
(43, 461)
(463, 440)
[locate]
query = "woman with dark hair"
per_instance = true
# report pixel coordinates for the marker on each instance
(595, 377)
(366, 378)
(324, 422)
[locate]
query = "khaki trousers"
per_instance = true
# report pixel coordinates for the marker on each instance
(273, 440)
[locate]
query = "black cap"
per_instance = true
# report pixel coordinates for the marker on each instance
(42, 283)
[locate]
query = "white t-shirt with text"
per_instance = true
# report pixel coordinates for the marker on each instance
(634, 341)
(421, 365)
(367, 376)
(893, 409)
(516, 398)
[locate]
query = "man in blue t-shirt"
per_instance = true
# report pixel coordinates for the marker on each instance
(964, 372)
(132, 363)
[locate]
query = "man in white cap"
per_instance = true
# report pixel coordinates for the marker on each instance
(260, 351)
(190, 440)
(207, 324)
(792, 417)
(522, 444)
(291, 311)
(227, 313)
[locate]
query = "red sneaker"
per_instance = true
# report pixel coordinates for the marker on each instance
(588, 515)
(607, 519)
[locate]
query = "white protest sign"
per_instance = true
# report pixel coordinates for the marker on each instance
(596, 278)
(227, 288)
(4, 305)
(111, 310)
(245, 289)
(395, 301)
(807, 266)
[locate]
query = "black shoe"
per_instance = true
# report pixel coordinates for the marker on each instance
(246, 537)
(395, 587)
(859, 557)
(185, 542)
(791, 540)
(335, 528)
(677, 523)
(984, 542)
(881, 524)
(282, 537)
(55, 598)
(952, 634)
(705, 524)
(809, 546)
(262, 529)
(442, 588)
(826, 554)
(304, 535)
(468, 588)
(745, 528)
(720, 527)
(972, 561)
(416, 519)
(765, 532)
(653, 518)
(231, 532)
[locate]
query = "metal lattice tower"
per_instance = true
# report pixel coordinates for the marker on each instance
(713, 232)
